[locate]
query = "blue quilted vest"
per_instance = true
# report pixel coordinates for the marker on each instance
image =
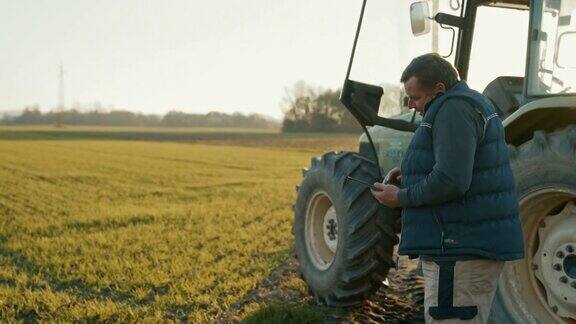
(484, 221)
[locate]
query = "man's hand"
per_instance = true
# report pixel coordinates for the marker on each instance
(393, 177)
(386, 194)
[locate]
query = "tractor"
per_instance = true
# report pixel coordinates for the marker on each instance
(522, 55)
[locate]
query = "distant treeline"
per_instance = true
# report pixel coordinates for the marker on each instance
(33, 116)
(316, 110)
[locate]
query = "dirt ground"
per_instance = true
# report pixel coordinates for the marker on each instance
(400, 301)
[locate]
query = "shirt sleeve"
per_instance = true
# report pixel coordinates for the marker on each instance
(457, 129)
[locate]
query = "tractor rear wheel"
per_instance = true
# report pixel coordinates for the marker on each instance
(344, 238)
(541, 288)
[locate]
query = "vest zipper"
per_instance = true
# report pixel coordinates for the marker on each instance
(441, 230)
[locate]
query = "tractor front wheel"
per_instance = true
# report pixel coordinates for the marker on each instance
(344, 237)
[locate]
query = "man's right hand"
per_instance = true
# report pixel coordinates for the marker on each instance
(393, 177)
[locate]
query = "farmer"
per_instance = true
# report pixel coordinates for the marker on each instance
(457, 194)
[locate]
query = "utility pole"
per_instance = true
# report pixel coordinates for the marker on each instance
(60, 109)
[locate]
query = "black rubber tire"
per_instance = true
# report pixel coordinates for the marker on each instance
(366, 238)
(547, 160)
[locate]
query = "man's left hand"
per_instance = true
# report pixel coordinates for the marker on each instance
(387, 195)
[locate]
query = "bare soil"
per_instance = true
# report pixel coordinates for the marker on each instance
(398, 301)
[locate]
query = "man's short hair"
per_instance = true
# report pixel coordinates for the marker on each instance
(430, 69)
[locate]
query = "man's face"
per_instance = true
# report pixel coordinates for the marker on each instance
(419, 96)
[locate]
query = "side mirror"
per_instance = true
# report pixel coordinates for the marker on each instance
(420, 18)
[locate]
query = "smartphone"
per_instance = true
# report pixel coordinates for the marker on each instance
(370, 185)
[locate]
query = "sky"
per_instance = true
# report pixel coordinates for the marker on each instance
(197, 56)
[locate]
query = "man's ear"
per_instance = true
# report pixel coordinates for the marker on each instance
(439, 87)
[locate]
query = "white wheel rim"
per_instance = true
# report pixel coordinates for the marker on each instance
(555, 260)
(528, 287)
(321, 230)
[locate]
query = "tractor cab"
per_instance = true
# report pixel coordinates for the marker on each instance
(514, 52)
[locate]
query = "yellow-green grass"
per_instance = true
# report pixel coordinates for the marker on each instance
(132, 230)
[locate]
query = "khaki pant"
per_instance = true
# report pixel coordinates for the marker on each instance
(474, 284)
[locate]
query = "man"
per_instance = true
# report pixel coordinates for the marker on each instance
(457, 194)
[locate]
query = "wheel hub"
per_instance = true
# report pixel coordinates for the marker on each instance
(570, 266)
(321, 230)
(555, 260)
(331, 229)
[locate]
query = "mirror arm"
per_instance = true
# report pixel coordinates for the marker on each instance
(455, 7)
(450, 20)
(453, 37)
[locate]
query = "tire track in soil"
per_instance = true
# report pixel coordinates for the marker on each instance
(401, 301)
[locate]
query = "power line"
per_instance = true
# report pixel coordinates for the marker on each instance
(60, 97)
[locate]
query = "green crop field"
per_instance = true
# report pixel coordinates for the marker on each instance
(126, 224)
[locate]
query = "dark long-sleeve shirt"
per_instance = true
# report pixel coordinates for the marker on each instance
(457, 129)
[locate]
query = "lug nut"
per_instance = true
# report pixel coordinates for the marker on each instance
(569, 248)
(557, 267)
(563, 279)
(573, 284)
(555, 309)
(560, 254)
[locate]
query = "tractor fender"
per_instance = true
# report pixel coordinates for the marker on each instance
(546, 114)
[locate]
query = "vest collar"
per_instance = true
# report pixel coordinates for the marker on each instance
(458, 86)
(426, 106)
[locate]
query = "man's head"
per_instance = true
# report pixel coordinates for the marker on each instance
(425, 77)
